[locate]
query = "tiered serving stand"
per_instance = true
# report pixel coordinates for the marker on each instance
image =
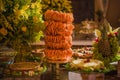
(55, 68)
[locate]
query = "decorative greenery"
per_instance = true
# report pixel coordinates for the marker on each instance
(20, 23)
(106, 44)
(57, 5)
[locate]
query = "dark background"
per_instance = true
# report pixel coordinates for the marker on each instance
(82, 10)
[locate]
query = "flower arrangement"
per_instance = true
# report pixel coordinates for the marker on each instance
(106, 44)
(57, 5)
(21, 23)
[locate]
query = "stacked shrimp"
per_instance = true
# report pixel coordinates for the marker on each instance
(58, 39)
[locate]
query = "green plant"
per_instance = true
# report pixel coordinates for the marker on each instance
(106, 44)
(57, 5)
(21, 23)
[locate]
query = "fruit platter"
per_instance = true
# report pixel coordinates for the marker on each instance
(86, 65)
(84, 52)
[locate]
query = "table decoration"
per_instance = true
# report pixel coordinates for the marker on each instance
(106, 46)
(21, 23)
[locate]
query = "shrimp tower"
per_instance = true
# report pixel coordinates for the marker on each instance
(58, 39)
